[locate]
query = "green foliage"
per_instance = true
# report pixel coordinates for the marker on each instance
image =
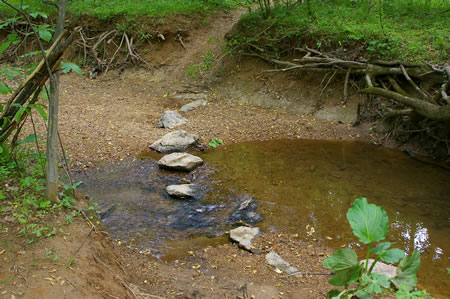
(109, 9)
(414, 30)
(368, 221)
(215, 142)
(406, 293)
(22, 178)
(370, 224)
(193, 70)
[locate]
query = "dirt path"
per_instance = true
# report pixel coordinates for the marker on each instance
(115, 116)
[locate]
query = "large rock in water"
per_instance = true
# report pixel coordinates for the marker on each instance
(180, 161)
(171, 119)
(183, 190)
(273, 259)
(177, 141)
(245, 236)
(246, 212)
(382, 268)
(193, 105)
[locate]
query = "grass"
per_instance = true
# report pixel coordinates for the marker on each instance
(109, 9)
(414, 30)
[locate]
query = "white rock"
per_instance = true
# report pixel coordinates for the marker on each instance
(171, 119)
(182, 191)
(273, 259)
(382, 268)
(244, 236)
(193, 105)
(177, 141)
(180, 161)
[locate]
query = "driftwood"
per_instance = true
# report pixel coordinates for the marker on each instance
(33, 84)
(422, 88)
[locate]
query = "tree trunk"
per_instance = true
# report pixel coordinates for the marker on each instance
(52, 134)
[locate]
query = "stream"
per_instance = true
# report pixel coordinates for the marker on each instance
(298, 185)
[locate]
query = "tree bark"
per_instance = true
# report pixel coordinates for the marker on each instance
(52, 133)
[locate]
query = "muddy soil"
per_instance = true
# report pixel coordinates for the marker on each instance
(115, 116)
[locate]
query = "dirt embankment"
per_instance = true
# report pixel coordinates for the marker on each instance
(115, 115)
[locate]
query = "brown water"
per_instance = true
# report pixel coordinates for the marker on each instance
(297, 184)
(313, 183)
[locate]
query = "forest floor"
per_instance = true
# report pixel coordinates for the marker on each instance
(115, 116)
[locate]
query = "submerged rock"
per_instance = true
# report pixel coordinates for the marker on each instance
(192, 105)
(171, 119)
(177, 141)
(246, 212)
(273, 259)
(180, 161)
(183, 190)
(245, 236)
(382, 268)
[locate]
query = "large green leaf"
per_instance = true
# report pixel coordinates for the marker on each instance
(368, 221)
(406, 271)
(392, 256)
(387, 255)
(345, 265)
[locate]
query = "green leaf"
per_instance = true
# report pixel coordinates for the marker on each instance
(376, 282)
(392, 256)
(363, 295)
(30, 138)
(381, 247)
(368, 221)
(333, 294)
(345, 265)
(4, 89)
(4, 46)
(41, 111)
(406, 271)
(69, 66)
(45, 35)
(19, 113)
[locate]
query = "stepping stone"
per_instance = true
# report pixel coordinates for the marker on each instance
(177, 141)
(273, 259)
(192, 105)
(183, 190)
(171, 119)
(180, 161)
(245, 236)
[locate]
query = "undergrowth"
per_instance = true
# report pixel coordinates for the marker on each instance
(22, 193)
(411, 30)
(109, 9)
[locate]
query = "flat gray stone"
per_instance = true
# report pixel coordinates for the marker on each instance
(192, 105)
(182, 191)
(382, 268)
(177, 141)
(171, 119)
(180, 161)
(273, 259)
(244, 236)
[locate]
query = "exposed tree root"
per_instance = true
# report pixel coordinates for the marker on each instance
(417, 93)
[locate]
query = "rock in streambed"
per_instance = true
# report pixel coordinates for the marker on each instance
(176, 141)
(180, 161)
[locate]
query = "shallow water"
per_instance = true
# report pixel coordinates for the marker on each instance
(297, 184)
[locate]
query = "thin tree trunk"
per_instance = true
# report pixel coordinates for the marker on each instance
(52, 134)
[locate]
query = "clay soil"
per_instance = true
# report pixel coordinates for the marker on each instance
(115, 116)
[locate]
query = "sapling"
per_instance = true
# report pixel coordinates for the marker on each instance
(370, 224)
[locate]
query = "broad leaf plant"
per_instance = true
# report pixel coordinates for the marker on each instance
(370, 223)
